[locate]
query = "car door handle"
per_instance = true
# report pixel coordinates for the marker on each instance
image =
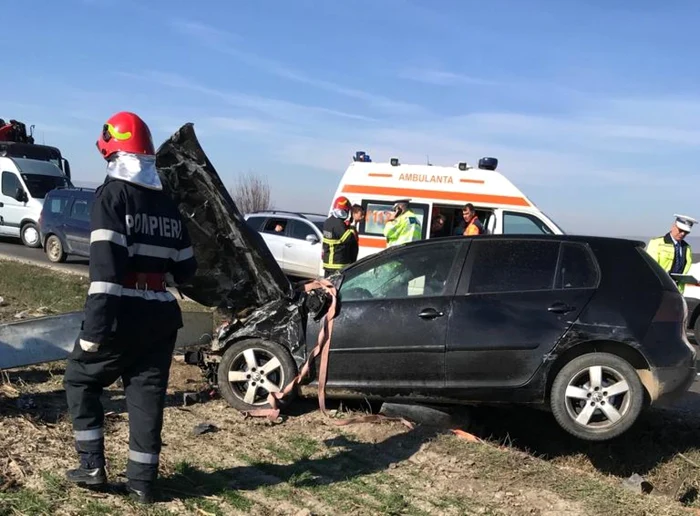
(287, 245)
(430, 313)
(561, 308)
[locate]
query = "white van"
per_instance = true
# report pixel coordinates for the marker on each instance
(500, 205)
(24, 184)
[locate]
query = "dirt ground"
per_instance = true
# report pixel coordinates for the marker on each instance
(307, 465)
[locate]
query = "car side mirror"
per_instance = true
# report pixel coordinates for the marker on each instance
(312, 238)
(21, 195)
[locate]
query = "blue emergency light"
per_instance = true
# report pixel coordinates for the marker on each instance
(488, 163)
(362, 156)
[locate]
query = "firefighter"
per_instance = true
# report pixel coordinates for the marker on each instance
(340, 245)
(131, 320)
(402, 225)
(671, 251)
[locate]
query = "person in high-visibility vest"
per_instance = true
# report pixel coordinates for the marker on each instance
(671, 251)
(340, 245)
(403, 225)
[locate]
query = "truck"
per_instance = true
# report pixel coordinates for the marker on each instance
(15, 142)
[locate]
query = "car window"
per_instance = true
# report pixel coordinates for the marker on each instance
(80, 210)
(10, 184)
(577, 268)
(255, 222)
(523, 224)
(276, 226)
(512, 266)
(56, 205)
(299, 229)
(413, 272)
(376, 213)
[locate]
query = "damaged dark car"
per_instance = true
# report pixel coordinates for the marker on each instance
(590, 328)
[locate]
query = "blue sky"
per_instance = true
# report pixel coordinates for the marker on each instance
(591, 106)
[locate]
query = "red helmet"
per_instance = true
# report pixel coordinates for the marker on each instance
(341, 208)
(125, 132)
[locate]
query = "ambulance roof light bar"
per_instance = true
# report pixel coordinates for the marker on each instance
(488, 163)
(362, 157)
(394, 162)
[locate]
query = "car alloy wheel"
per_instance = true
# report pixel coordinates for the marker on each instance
(54, 249)
(597, 396)
(252, 369)
(30, 235)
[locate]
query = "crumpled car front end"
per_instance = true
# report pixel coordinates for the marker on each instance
(236, 274)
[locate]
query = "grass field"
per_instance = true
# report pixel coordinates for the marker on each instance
(306, 465)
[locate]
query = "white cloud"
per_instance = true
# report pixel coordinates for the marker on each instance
(442, 78)
(220, 41)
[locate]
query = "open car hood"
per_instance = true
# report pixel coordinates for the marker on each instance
(236, 271)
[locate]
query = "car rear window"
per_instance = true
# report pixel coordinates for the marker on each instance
(660, 273)
(577, 267)
(512, 265)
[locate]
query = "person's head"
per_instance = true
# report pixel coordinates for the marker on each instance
(438, 222)
(125, 132)
(358, 214)
(681, 227)
(279, 227)
(341, 208)
(468, 212)
(400, 206)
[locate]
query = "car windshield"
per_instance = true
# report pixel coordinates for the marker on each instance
(41, 177)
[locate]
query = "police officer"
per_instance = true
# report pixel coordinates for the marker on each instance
(131, 320)
(671, 251)
(402, 225)
(340, 245)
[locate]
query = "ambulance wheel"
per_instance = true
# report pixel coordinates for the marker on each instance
(30, 235)
(253, 368)
(54, 250)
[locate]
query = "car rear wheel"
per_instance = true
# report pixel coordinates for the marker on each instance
(597, 396)
(30, 235)
(54, 250)
(250, 370)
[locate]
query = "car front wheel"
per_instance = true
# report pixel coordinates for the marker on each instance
(251, 369)
(30, 235)
(597, 396)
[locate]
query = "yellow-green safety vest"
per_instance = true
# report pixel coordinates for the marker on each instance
(405, 228)
(663, 251)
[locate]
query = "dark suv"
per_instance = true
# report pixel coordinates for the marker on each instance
(65, 223)
(590, 327)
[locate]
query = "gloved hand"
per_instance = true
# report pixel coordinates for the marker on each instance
(88, 346)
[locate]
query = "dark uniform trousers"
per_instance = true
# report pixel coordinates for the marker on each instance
(144, 366)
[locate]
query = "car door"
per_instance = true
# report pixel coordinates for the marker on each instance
(302, 249)
(389, 334)
(515, 300)
(275, 239)
(11, 210)
(77, 227)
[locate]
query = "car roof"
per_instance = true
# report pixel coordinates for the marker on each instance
(72, 192)
(311, 217)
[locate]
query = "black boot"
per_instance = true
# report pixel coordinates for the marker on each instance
(87, 476)
(141, 492)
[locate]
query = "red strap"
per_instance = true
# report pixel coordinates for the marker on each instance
(154, 281)
(323, 348)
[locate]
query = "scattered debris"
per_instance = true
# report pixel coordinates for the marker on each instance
(637, 484)
(204, 428)
(2, 301)
(691, 462)
(25, 402)
(418, 413)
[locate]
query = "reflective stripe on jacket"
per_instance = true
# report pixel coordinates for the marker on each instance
(339, 244)
(663, 251)
(405, 228)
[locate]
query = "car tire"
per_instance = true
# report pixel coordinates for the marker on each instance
(248, 389)
(29, 233)
(696, 330)
(54, 249)
(574, 395)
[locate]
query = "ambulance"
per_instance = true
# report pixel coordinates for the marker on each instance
(500, 205)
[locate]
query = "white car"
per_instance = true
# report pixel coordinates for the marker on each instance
(294, 239)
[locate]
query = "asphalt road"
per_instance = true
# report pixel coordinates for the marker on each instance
(15, 249)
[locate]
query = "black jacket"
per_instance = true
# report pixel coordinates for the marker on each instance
(340, 246)
(138, 230)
